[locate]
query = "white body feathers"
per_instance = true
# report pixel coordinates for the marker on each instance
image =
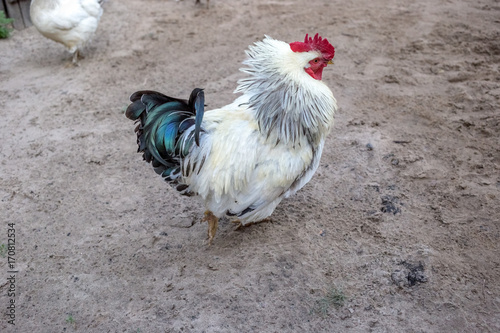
(267, 144)
(69, 22)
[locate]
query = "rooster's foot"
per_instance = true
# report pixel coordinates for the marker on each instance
(213, 222)
(76, 55)
(240, 225)
(198, 1)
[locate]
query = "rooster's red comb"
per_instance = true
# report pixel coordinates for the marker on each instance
(316, 43)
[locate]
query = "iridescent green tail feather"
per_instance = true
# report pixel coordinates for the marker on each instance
(162, 122)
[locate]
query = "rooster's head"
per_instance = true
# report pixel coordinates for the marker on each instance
(318, 50)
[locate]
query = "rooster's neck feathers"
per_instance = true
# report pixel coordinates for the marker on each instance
(288, 104)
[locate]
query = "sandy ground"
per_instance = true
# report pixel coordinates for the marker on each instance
(401, 219)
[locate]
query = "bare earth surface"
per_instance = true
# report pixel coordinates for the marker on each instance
(401, 219)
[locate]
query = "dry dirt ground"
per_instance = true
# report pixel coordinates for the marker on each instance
(398, 230)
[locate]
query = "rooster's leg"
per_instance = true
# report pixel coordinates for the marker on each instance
(241, 225)
(76, 55)
(213, 222)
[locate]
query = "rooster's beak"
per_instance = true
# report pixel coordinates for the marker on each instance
(330, 62)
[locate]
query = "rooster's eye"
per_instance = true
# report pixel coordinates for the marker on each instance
(315, 61)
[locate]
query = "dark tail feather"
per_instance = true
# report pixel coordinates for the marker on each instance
(162, 121)
(137, 107)
(197, 99)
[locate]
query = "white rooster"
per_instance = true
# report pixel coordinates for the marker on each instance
(69, 22)
(245, 157)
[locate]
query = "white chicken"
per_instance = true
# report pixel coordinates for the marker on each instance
(69, 22)
(245, 157)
